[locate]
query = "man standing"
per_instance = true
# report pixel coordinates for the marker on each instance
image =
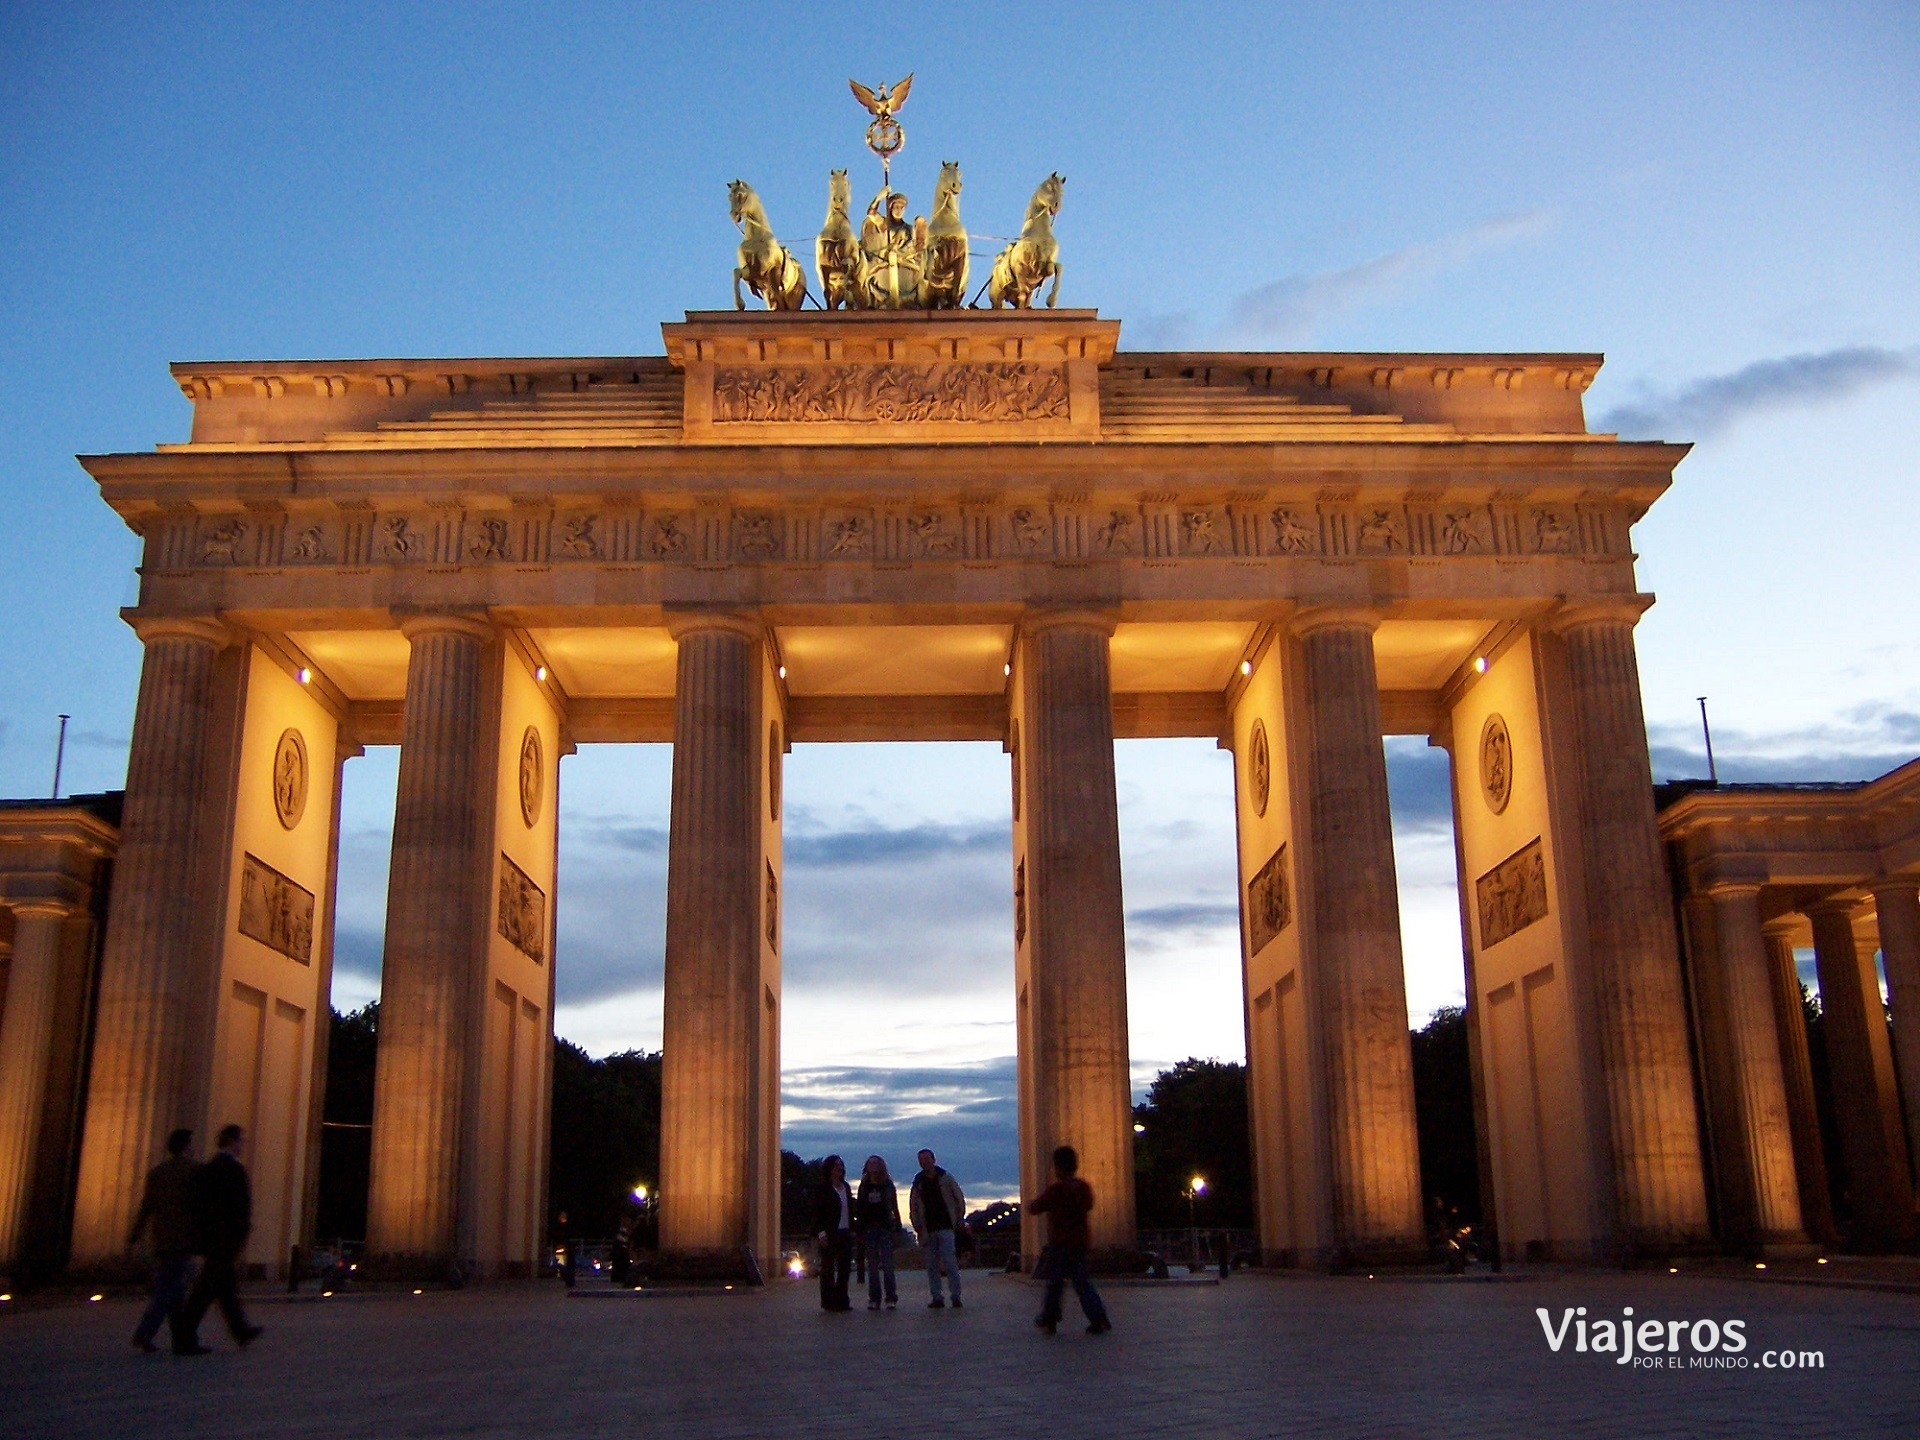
(166, 1205)
(938, 1209)
(1066, 1203)
(222, 1204)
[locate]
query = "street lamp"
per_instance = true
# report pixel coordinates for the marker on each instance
(1196, 1187)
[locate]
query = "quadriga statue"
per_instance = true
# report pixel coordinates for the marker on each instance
(766, 265)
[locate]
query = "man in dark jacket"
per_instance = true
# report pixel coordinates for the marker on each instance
(222, 1204)
(1066, 1203)
(166, 1205)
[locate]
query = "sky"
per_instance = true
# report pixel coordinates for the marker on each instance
(1724, 199)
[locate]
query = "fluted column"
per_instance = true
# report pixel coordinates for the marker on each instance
(1760, 1188)
(1358, 972)
(1635, 985)
(26, 1044)
(1796, 1068)
(1078, 946)
(712, 955)
(1866, 1102)
(151, 1021)
(1898, 907)
(434, 944)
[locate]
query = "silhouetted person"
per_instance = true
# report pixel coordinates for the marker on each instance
(1066, 1203)
(938, 1210)
(222, 1203)
(876, 1210)
(833, 1228)
(166, 1205)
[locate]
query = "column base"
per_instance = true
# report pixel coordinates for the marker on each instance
(701, 1267)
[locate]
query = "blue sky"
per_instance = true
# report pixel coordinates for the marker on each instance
(1724, 199)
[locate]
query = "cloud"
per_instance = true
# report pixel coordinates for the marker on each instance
(819, 848)
(1707, 407)
(1290, 310)
(1419, 785)
(1861, 743)
(966, 1114)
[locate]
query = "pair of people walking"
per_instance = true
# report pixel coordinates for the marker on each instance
(204, 1210)
(871, 1213)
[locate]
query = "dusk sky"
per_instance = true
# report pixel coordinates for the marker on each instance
(1725, 200)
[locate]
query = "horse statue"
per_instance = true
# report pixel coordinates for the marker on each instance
(836, 254)
(766, 265)
(943, 282)
(1021, 268)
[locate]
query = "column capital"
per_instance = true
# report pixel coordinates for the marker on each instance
(1314, 618)
(1597, 610)
(416, 625)
(691, 620)
(1833, 905)
(208, 629)
(1035, 622)
(41, 907)
(1728, 887)
(1895, 885)
(1781, 927)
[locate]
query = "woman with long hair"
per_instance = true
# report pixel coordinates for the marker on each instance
(877, 1211)
(833, 1229)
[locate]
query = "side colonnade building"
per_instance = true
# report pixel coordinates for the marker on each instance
(797, 527)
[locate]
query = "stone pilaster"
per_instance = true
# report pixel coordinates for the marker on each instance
(714, 883)
(1634, 982)
(1077, 972)
(436, 892)
(26, 1046)
(1760, 1191)
(1898, 907)
(1360, 982)
(1866, 1102)
(1796, 1070)
(152, 1023)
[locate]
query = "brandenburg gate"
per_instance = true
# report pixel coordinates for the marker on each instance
(876, 524)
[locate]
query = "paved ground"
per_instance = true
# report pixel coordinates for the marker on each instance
(1257, 1356)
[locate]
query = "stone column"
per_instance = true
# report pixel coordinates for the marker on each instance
(1760, 1188)
(1076, 923)
(1866, 1101)
(1796, 1066)
(436, 894)
(1639, 1008)
(1358, 972)
(151, 1017)
(26, 1044)
(712, 955)
(1898, 907)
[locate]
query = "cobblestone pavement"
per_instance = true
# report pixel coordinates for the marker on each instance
(1258, 1356)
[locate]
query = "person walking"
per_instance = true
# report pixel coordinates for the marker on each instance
(938, 1210)
(1066, 1203)
(833, 1228)
(877, 1217)
(165, 1204)
(222, 1204)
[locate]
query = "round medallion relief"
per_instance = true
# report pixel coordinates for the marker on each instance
(774, 749)
(1496, 763)
(532, 776)
(1259, 767)
(290, 778)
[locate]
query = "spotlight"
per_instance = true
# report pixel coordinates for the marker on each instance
(1246, 667)
(1007, 669)
(1480, 664)
(305, 677)
(539, 672)
(783, 672)
(96, 1297)
(416, 1292)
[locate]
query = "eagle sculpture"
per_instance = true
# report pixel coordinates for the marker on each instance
(886, 102)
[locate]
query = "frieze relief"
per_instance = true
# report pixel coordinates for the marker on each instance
(1074, 529)
(1512, 895)
(522, 920)
(276, 911)
(1269, 902)
(889, 394)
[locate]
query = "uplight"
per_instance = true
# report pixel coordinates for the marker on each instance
(783, 672)
(1822, 1260)
(1759, 1264)
(1139, 1129)
(540, 672)
(1480, 664)
(5, 1298)
(416, 1292)
(305, 676)
(1246, 667)
(1007, 669)
(96, 1297)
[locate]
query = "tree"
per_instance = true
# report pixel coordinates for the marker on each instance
(606, 1136)
(1194, 1122)
(799, 1179)
(1444, 1117)
(346, 1128)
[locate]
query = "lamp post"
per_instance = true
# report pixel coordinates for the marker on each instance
(1195, 1189)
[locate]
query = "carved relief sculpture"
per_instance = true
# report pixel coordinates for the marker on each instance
(1464, 532)
(275, 911)
(490, 540)
(1201, 539)
(669, 541)
(1030, 531)
(580, 537)
(1115, 534)
(757, 537)
(852, 536)
(290, 778)
(1496, 763)
(884, 394)
(1551, 534)
(532, 776)
(1512, 895)
(1269, 902)
(1292, 532)
(1019, 903)
(932, 533)
(398, 539)
(773, 908)
(221, 544)
(1259, 767)
(1378, 533)
(310, 544)
(522, 921)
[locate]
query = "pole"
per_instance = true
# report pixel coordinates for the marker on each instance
(60, 755)
(1713, 771)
